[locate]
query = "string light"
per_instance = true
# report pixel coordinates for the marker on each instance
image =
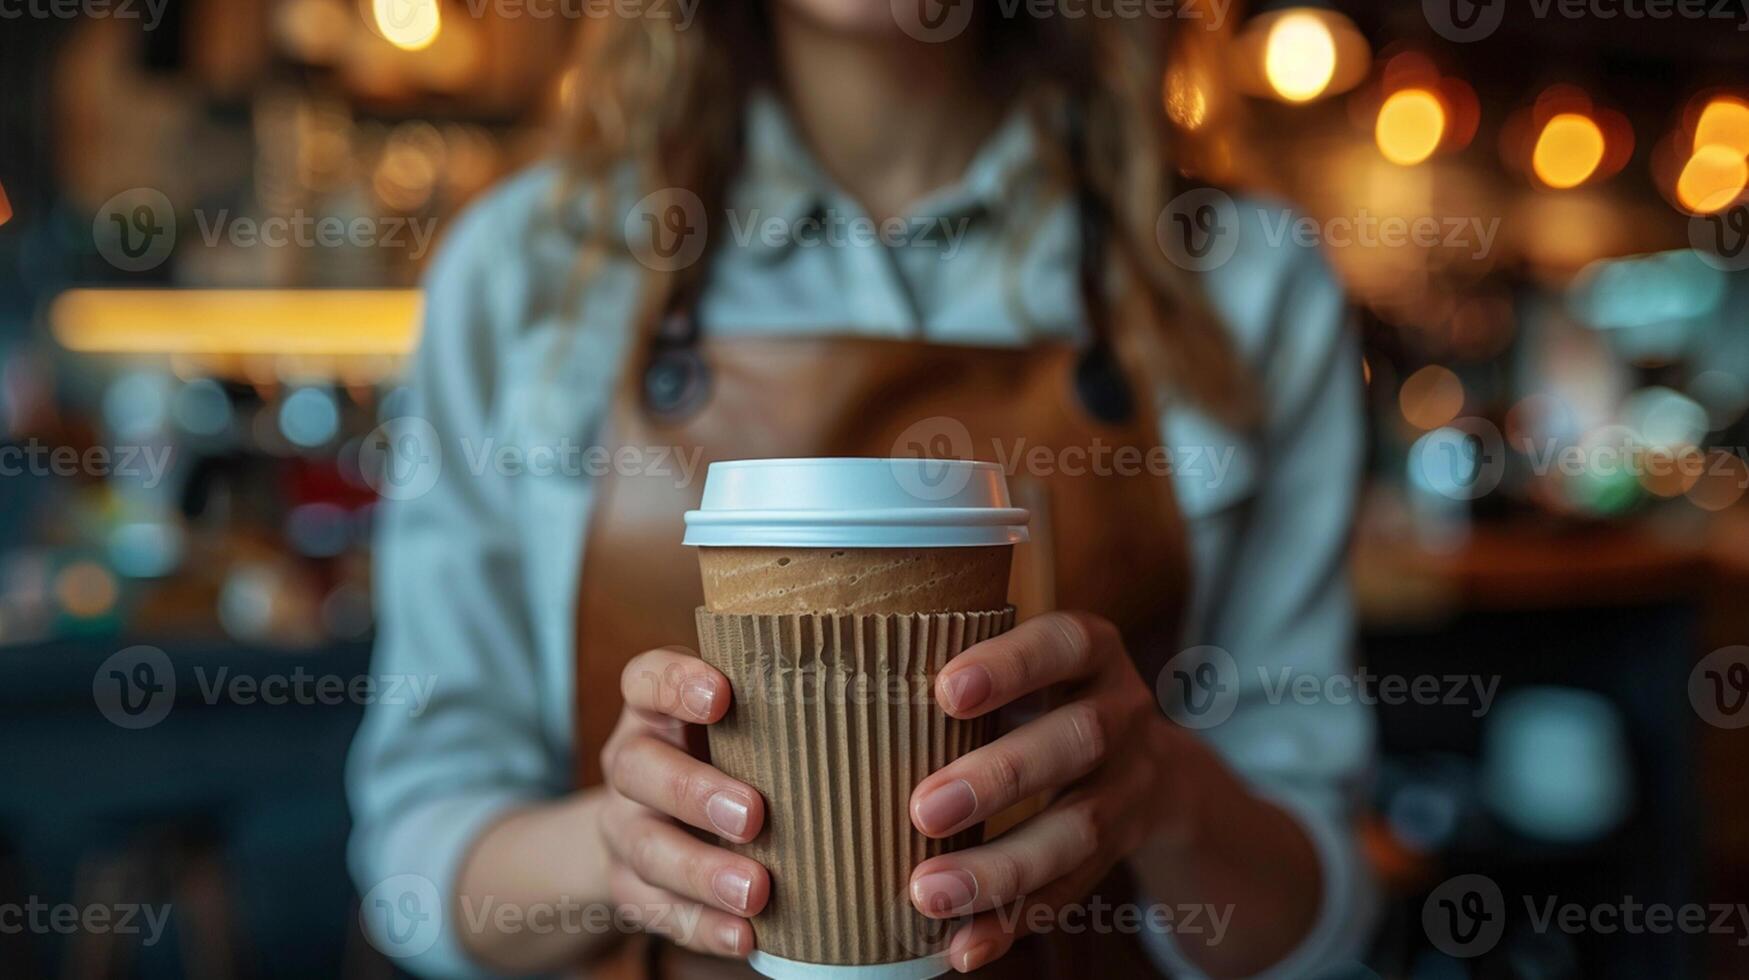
(1410, 125)
(1299, 57)
(1568, 151)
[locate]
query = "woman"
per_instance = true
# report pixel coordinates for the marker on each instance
(813, 227)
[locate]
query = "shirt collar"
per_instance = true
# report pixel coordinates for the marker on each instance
(782, 179)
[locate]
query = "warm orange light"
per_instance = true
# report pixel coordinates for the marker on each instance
(316, 322)
(1299, 57)
(1410, 125)
(5, 207)
(1431, 397)
(1568, 151)
(85, 589)
(1187, 102)
(1724, 122)
(410, 25)
(1713, 179)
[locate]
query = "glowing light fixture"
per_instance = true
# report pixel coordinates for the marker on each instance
(237, 321)
(410, 25)
(1724, 122)
(1712, 179)
(1299, 56)
(5, 207)
(1410, 126)
(1568, 150)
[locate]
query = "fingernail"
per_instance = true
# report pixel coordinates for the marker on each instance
(730, 936)
(727, 814)
(966, 688)
(943, 809)
(944, 892)
(698, 695)
(975, 957)
(732, 888)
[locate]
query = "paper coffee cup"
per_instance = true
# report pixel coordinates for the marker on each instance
(835, 591)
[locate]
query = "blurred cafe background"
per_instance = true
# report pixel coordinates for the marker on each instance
(1537, 208)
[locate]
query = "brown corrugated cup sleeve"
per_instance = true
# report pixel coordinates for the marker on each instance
(834, 721)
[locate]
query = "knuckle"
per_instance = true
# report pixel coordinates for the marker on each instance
(1083, 829)
(688, 790)
(1004, 877)
(645, 854)
(1007, 775)
(1076, 636)
(1087, 725)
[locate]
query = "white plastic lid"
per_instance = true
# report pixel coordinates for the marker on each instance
(855, 503)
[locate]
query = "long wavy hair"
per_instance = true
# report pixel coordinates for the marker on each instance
(667, 105)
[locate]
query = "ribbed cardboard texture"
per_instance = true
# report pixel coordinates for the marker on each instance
(859, 581)
(834, 721)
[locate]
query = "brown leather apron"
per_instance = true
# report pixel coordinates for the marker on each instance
(1106, 533)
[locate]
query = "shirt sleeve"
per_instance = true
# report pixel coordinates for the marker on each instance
(1280, 604)
(452, 615)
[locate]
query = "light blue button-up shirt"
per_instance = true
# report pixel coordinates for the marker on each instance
(477, 571)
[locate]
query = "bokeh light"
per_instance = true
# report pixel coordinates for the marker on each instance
(1431, 397)
(410, 25)
(1568, 150)
(1724, 122)
(85, 589)
(1186, 98)
(1299, 57)
(1410, 125)
(1713, 178)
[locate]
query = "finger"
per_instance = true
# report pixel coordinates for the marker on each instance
(689, 924)
(673, 683)
(1044, 754)
(670, 858)
(1042, 651)
(990, 935)
(670, 781)
(1020, 863)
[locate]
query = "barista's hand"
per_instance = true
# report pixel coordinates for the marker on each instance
(703, 892)
(1105, 754)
